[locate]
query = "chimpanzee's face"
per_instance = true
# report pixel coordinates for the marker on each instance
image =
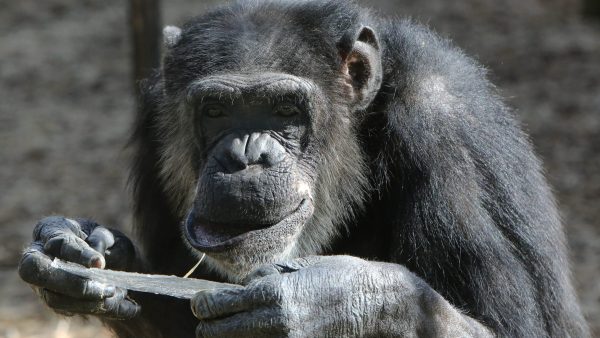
(260, 154)
(257, 168)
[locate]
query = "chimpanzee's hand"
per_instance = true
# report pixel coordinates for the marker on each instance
(86, 243)
(330, 296)
(317, 296)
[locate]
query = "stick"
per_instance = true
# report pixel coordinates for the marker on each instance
(172, 286)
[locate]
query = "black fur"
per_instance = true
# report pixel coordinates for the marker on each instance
(455, 192)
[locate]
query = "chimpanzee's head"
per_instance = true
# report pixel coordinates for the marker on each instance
(260, 149)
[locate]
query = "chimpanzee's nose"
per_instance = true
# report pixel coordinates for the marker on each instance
(241, 152)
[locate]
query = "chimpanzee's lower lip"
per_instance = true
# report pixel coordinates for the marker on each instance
(201, 239)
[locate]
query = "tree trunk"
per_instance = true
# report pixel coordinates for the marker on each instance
(144, 16)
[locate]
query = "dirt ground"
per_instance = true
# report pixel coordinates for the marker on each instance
(66, 107)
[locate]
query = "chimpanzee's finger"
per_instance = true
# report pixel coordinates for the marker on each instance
(100, 239)
(63, 238)
(118, 306)
(121, 255)
(37, 269)
(215, 303)
(74, 249)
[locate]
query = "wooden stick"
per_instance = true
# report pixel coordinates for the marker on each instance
(172, 286)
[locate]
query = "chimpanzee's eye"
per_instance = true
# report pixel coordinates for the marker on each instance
(286, 110)
(213, 110)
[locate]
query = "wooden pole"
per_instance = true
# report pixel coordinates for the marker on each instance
(144, 18)
(591, 9)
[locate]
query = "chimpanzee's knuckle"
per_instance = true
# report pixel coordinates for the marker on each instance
(119, 306)
(260, 272)
(30, 265)
(46, 221)
(54, 244)
(203, 305)
(26, 266)
(265, 291)
(92, 289)
(126, 309)
(48, 224)
(64, 304)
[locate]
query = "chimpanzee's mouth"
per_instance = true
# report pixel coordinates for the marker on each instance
(214, 237)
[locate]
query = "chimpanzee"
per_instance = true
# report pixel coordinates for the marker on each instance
(359, 176)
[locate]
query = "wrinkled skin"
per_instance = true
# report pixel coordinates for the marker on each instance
(330, 296)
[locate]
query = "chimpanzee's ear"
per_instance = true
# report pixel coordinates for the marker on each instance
(171, 36)
(361, 64)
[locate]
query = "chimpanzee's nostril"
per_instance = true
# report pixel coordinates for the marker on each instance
(264, 150)
(236, 162)
(237, 153)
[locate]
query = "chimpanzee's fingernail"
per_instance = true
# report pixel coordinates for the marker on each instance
(97, 262)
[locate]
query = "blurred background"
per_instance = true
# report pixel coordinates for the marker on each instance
(66, 104)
